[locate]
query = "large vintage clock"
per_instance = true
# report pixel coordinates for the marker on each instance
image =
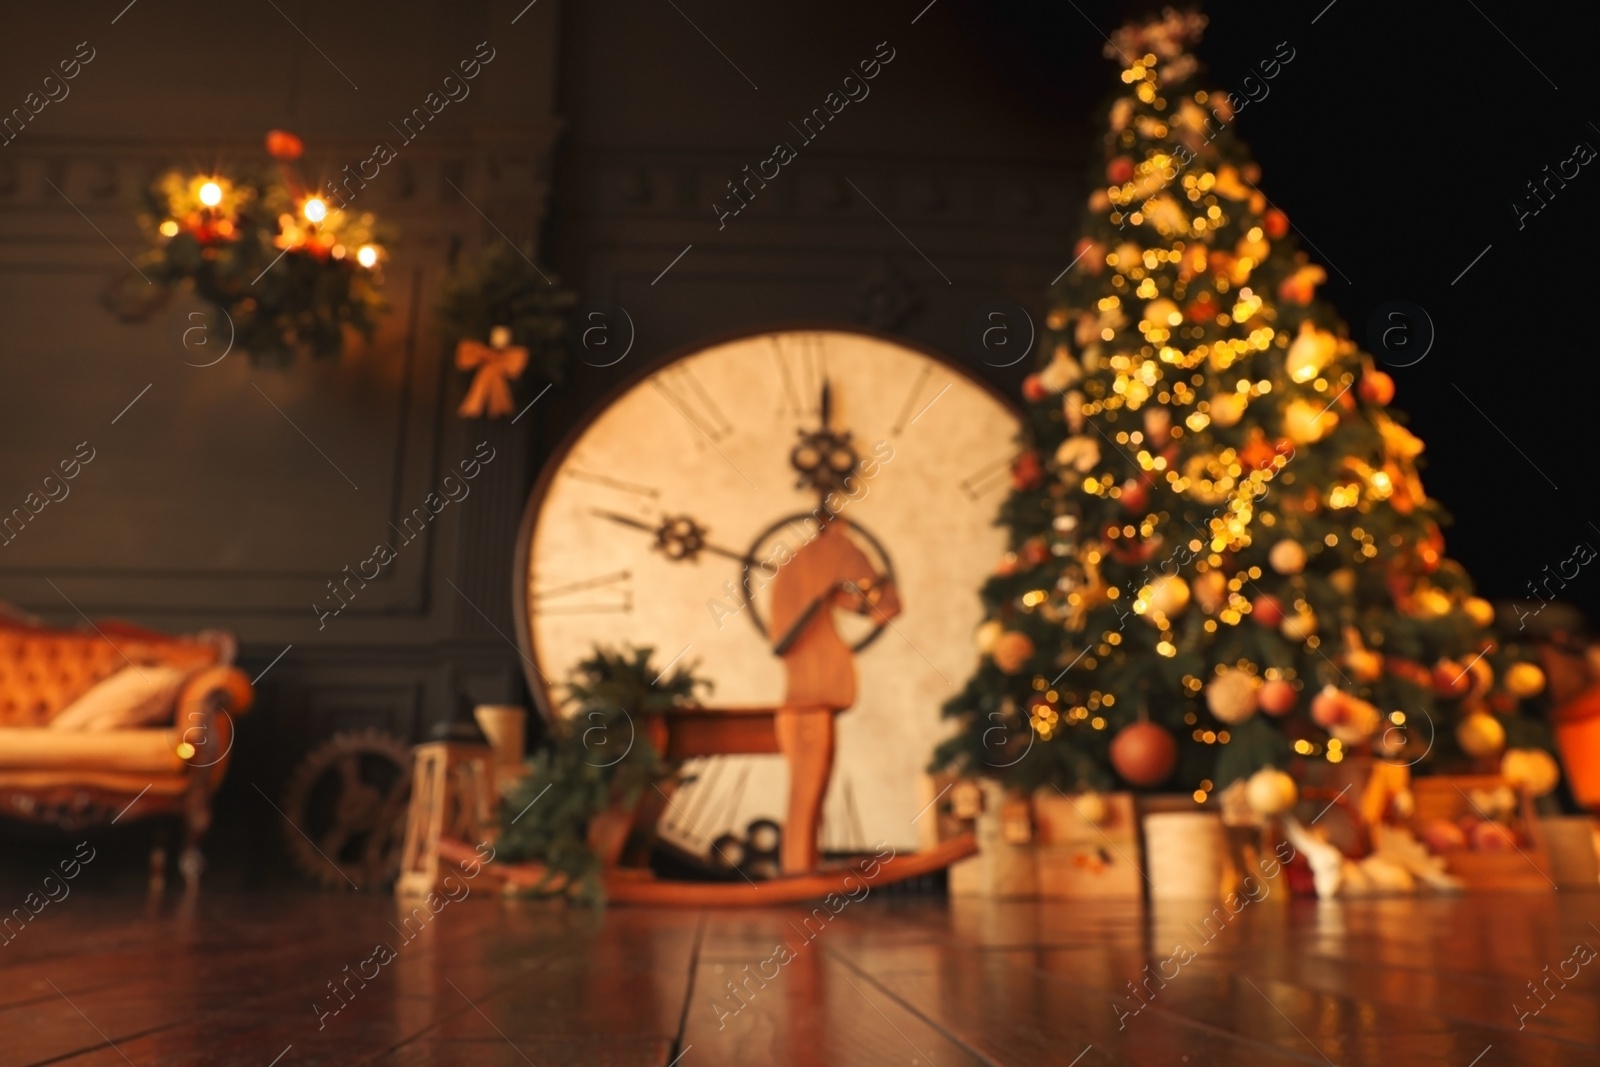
(655, 522)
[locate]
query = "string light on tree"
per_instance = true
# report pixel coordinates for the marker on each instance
(1234, 479)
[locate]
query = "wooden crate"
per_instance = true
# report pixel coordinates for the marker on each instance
(1001, 868)
(1525, 868)
(1077, 859)
(1069, 856)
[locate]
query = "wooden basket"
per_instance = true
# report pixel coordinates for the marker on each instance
(1525, 868)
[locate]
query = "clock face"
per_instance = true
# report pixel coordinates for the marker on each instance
(654, 526)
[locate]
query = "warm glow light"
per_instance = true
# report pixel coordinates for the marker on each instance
(211, 194)
(169, 229)
(184, 750)
(367, 256)
(315, 210)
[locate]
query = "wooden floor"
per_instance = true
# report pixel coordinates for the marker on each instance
(235, 980)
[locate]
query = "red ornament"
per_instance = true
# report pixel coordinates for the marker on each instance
(1449, 679)
(1033, 390)
(1492, 837)
(1276, 223)
(284, 146)
(1119, 171)
(1202, 309)
(1144, 754)
(1327, 708)
(1135, 497)
(1267, 610)
(1129, 549)
(1026, 472)
(1034, 552)
(1090, 255)
(1276, 697)
(1408, 671)
(1257, 452)
(1376, 387)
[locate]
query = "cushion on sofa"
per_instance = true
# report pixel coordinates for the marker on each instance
(43, 670)
(147, 752)
(131, 698)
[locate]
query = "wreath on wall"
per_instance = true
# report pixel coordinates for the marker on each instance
(501, 312)
(293, 275)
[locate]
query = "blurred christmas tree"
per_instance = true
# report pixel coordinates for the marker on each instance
(1221, 551)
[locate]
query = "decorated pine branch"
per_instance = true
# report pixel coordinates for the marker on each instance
(1221, 553)
(597, 760)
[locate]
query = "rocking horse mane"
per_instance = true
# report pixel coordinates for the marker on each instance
(823, 562)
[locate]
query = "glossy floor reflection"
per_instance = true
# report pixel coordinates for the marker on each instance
(294, 981)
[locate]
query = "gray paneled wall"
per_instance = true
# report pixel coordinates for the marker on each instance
(231, 495)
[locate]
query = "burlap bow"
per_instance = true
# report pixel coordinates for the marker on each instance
(491, 386)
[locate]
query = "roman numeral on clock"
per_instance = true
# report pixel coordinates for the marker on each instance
(601, 595)
(802, 365)
(680, 388)
(913, 407)
(987, 478)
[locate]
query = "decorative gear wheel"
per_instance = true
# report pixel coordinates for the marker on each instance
(680, 537)
(347, 801)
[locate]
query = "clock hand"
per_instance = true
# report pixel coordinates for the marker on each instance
(678, 536)
(825, 457)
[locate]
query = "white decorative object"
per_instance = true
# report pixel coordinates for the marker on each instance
(1231, 696)
(1186, 855)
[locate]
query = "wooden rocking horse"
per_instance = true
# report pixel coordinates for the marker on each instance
(830, 572)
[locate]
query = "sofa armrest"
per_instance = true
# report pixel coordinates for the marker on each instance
(216, 689)
(203, 715)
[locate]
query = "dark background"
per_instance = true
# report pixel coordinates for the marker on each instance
(1396, 141)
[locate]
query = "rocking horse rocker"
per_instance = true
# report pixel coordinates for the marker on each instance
(829, 573)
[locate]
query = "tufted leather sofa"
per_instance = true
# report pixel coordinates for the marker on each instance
(73, 778)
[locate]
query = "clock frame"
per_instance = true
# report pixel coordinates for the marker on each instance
(970, 512)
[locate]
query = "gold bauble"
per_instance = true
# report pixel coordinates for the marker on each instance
(1169, 594)
(1287, 557)
(1305, 423)
(1270, 792)
(1524, 680)
(1299, 627)
(1210, 590)
(1479, 610)
(1364, 664)
(1091, 807)
(1480, 735)
(1227, 409)
(1430, 603)
(1531, 770)
(989, 635)
(1232, 696)
(1311, 351)
(1161, 312)
(1360, 721)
